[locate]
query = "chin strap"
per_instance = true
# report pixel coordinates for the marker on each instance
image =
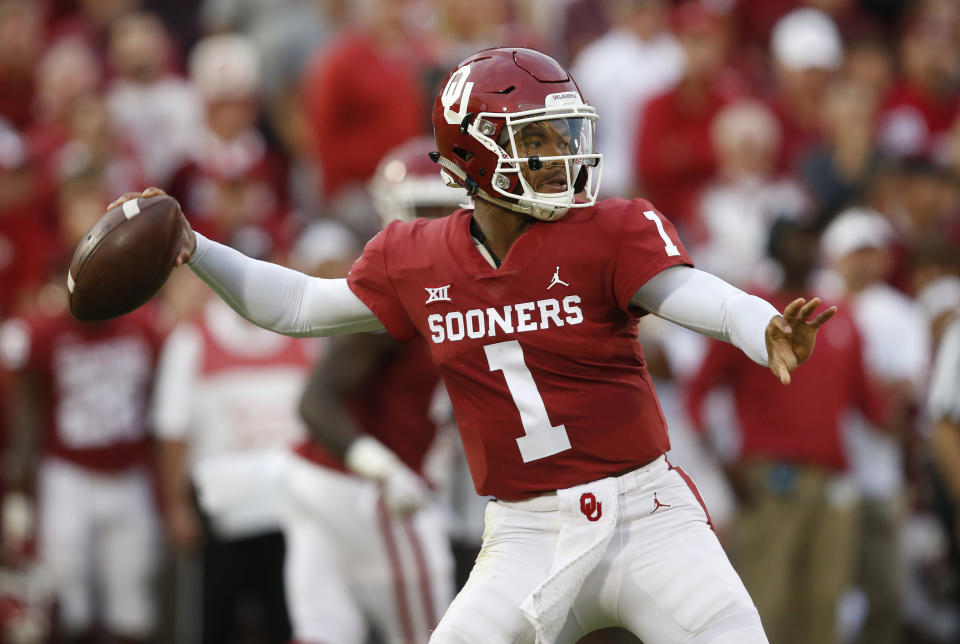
(481, 241)
(480, 192)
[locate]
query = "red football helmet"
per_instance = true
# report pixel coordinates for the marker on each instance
(506, 107)
(406, 180)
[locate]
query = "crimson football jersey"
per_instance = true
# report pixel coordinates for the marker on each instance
(97, 380)
(540, 356)
(394, 407)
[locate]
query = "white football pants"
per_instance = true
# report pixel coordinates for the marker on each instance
(350, 563)
(663, 575)
(98, 534)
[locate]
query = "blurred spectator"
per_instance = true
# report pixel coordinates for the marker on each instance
(674, 154)
(919, 111)
(582, 22)
(234, 182)
(838, 170)
(79, 406)
(88, 21)
(92, 140)
(284, 32)
(896, 353)
(21, 41)
(735, 211)
(363, 97)
(916, 195)
(943, 409)
(23, 234)
(807, 50)
(465, 27)
(67, 72)
(156, 110)
(618, 73)
(936, 281)
(796, 531)
(870, 64)
(225, 414)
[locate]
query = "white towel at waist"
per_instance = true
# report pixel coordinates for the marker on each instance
(588, 519)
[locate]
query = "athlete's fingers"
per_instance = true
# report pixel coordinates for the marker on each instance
(127, 196)
(780, 370)
(818, 321)
(809, 308)
(781, 324)
(782, 360)
(790, 312)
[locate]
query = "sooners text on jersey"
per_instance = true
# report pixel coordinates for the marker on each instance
(540, 357)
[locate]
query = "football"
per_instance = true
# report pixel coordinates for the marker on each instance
(124, 259)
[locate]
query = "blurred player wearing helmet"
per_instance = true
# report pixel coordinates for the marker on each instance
(529, 303)
(375, 551)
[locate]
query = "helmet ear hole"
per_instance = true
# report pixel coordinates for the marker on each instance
(466, 155)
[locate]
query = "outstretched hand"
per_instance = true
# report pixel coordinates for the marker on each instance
(188, 242)
(791, 336)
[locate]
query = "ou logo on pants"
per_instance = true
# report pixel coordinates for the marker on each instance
(591, 508)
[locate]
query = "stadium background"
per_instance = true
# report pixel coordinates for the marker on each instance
(266, 119)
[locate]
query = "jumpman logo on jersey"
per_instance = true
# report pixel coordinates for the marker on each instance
(657, 505)
(556, 279)
(439, 294)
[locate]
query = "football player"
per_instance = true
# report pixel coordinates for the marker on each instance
(529, 301)
(362, 550)
(80, 392)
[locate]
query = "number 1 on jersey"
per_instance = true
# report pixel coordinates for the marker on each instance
(669, 246)
(540, 439)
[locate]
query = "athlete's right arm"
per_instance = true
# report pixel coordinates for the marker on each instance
(269, 295)
(278, 298)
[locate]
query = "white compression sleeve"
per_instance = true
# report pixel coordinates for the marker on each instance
(706, 304)
(278, 298)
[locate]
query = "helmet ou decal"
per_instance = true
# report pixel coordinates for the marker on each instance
(457, 88)
(478, 115)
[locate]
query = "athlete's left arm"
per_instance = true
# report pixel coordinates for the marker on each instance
(706, 304)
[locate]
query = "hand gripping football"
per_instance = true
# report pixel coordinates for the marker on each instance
(125, 258)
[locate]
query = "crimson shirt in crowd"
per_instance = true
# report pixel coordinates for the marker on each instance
(361, 102)
(798, 423)
(540, 356)
(228, 185)
(913, 121)
(675, 156)
(796, 138)
(25, 242)
(96, 381)
(17, 98)
(394, 407)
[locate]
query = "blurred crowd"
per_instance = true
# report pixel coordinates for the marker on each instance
(801, 147)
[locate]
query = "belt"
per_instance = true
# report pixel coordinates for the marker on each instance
(631, 480)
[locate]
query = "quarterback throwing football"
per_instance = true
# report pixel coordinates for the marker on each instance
(530, 302)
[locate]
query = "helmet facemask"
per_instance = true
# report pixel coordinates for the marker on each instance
(543, 147)
(485, 120)
(552, 158)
